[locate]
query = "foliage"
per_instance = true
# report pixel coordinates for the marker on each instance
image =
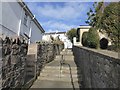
(110, 21)
(71, 33)
(84, 39)
(105, 17)
(93, 38)
(94, 16)
(58, 42)
(90, 38)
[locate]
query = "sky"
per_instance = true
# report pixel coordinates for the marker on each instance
(60, 16)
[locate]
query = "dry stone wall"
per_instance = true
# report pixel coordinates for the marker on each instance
(20, 63)
(14, 54)
(42, 53)
(99, 68)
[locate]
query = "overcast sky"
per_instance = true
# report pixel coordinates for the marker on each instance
(60, 16)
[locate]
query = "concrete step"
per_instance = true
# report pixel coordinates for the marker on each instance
(68, 50)
(54, 85)
(54, 75)
(65, 71)
(57, 68)
(54, 68)
(58, 57)
(59, 78)
(66, 57)
(56, 63)
(58, 71)
(66, 53)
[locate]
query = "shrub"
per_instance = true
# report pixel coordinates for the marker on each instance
(84, 39)
(103, 43)
(93, 38)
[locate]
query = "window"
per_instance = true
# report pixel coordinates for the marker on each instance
(25, 19)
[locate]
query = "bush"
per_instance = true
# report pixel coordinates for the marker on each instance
(90, 38)
(103, 43)
(84, 39)
(93, 38)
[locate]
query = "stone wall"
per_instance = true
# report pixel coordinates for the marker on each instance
(13, 55)
(99, 68)
(20, 63)
(39, 56)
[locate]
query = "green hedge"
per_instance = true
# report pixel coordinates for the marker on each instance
(90, 38)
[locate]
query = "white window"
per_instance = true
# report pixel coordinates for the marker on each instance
(26, 19)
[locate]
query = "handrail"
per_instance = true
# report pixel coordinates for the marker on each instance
(62, 62)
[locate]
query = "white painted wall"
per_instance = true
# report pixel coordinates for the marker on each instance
(36, 34)
(63, 37)
(12, 14)
(0, 12)
(0, 19)
(10, 18)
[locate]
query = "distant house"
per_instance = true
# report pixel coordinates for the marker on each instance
(85, 28)
(18, 21)
(62, 37)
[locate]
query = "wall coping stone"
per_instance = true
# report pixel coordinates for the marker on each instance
(104, 53)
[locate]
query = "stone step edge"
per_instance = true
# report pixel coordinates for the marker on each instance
(59, 67)
(57, 79)
(64, 71)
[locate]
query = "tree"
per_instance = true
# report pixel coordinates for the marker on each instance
(106, 18)
(110, 22)
(95, 14)
(71, 33)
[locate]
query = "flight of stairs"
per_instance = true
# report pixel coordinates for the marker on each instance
(66, 74)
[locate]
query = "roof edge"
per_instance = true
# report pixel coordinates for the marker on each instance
(22, 4)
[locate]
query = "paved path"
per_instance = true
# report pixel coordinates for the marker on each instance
(54, 76)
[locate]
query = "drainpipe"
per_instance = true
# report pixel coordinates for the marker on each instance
(30, 30)
(20, 20)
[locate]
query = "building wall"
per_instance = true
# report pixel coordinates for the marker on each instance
(0, 14)
(36, 34)
(63, 37)
(13, 22)
(10, 18)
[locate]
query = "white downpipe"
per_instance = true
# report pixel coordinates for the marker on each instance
(30, 34)
(19, 28)
(30, 31)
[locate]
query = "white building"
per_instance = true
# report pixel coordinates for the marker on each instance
(18, 21)
(62, 37)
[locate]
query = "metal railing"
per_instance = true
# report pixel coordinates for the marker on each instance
(62, 63)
